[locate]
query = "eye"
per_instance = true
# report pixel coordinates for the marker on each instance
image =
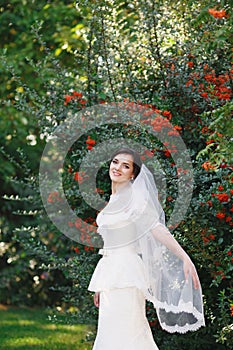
(126, 166)
(114, 161)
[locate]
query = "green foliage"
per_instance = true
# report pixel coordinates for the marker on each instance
(220, 134)
(21, 134)
(173, 62)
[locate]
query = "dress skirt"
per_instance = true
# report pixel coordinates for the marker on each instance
(122, 321)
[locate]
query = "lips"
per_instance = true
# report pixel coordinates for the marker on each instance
(115, 173)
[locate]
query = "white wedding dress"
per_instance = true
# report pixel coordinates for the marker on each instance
(120, 277)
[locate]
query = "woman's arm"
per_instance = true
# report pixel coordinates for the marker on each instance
(97, 299)
(162, 234)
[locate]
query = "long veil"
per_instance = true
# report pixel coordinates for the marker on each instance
(178, 304)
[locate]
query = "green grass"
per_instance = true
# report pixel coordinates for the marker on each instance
(24, 329)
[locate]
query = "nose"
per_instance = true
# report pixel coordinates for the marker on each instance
(117, 166)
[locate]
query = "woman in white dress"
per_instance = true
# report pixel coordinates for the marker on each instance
(141, 261)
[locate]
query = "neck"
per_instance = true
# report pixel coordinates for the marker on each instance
(116, 187)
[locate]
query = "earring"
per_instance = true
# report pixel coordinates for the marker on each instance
(132, 179)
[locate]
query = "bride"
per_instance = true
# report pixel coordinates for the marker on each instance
(141, 261)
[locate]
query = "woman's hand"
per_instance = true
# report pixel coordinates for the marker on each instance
(161, 233)
(189, 269)
(97, 299)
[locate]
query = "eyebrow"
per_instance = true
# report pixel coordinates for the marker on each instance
(126, 163)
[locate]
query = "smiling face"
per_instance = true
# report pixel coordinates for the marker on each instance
(121, 168)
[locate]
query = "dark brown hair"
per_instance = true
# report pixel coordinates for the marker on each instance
(137, 163)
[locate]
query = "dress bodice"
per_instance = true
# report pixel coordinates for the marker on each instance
(119, 223)
(116, 234)
(121, 265)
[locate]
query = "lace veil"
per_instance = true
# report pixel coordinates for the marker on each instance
(135, 216)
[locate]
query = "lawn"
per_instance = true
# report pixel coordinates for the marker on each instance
(24, 329)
